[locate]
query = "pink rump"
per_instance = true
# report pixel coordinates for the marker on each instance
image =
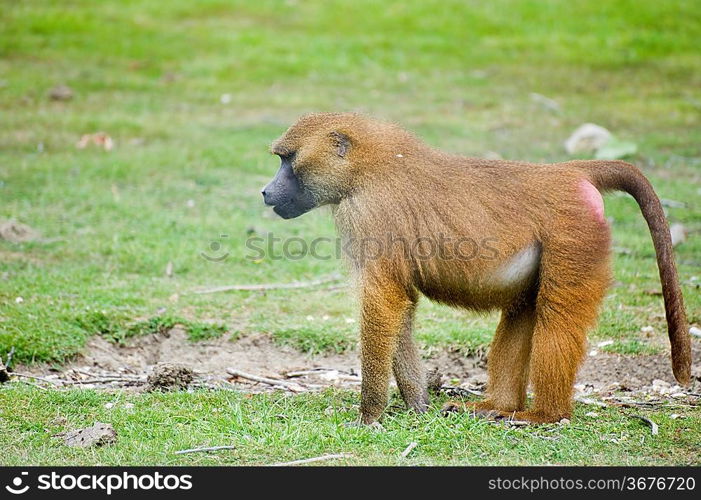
(592, 198)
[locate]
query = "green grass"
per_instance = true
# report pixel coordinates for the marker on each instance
(273, 428)
(187, 168)
(118, 331)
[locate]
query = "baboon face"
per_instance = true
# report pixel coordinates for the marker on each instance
(286, 193)
(314, 168)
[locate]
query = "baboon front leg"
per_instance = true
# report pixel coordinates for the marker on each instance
(509, 356)
(408, 367)
(384, 306)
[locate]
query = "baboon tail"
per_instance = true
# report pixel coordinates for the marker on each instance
(622, 176)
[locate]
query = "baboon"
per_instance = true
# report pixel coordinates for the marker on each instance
(538, 246)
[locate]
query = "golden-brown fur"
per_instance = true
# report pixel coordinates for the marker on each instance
(391, 193)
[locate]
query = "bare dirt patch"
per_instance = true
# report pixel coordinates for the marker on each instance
(16, 232)
(261, 356)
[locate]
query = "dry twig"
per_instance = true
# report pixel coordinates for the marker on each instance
(34, 377)
(290, 386)
(312, 460)
(653, 426)
(270, 286)
(206, 448)
(103, 380)
(409, 448)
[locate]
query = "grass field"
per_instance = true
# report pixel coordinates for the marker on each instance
(192, 93)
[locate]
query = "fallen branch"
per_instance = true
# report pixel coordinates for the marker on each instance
(270, 286)
(107, 374)
(103, 380)
(312, 460)
(206, 448)
(290, 386)
(34, 377)
(653, 426)
(22, 381)
(302, 373)
(408, 449)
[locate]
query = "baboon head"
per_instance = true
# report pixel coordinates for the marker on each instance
(315, 164)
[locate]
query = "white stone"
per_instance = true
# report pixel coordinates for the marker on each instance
(587, 139)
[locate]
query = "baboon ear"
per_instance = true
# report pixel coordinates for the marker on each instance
(342, 143)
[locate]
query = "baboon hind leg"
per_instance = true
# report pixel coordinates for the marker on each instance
(408, 368)
(565, 310)
(507, 365)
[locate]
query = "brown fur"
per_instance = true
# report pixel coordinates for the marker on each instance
(387, 187)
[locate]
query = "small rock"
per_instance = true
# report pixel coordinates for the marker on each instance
(98, 435)
(675, 416)
(168, 376)
(587, 139)
(678, 232)
(592, 414)
(604, 343)
(128, 406)
(19, 300)
(696, 332)
(61, 93)
(647, 329)
(661, 386)
(109, 406)
(564, 421)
